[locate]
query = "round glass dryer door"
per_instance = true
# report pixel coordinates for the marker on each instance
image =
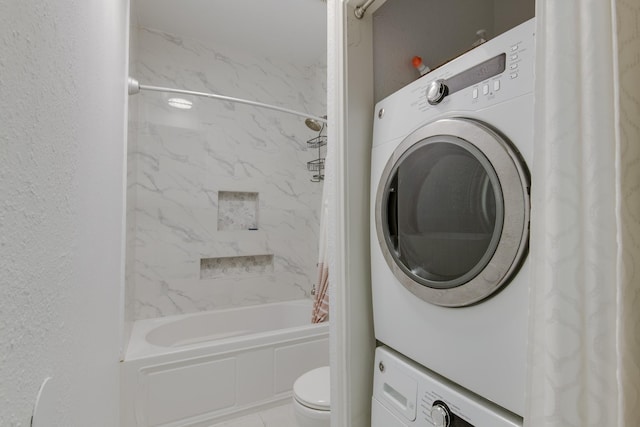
(452, 212)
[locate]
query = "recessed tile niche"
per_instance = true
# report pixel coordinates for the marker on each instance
(235, 266)
(237, 211)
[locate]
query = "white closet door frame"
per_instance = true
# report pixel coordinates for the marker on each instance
(350, 109)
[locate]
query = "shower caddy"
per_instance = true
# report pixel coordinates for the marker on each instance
(317, 165)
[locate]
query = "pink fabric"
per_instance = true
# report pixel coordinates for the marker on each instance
(321, 300)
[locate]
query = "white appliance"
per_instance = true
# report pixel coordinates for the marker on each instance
(406, 394)
(450, 217)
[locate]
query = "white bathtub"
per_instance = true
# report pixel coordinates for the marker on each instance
(197, 369)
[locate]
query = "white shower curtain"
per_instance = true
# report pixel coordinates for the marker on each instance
(585, 232)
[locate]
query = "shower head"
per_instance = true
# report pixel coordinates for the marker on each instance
(314, 124)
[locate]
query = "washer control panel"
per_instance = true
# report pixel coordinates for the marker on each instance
(414, 396)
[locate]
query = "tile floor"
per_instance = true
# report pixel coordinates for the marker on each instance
(279, 416)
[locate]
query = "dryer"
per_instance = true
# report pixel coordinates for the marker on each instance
(450, 217)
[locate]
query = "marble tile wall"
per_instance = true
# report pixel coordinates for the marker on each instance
(183, 161)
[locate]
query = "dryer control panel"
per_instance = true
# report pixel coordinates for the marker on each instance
(407, 394)
(497, 71)
(500, 69)
(485, 70)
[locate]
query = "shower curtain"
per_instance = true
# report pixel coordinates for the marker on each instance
(321, 298)
(584, 338)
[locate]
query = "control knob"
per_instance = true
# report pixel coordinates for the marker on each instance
(436, 91)
(440, 415)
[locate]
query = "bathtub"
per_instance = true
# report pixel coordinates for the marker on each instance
(198, 369)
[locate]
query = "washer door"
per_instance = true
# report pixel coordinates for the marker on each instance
(452, 212)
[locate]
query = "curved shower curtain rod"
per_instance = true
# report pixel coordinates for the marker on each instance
(135, 87)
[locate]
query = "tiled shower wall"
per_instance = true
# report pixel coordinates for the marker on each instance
(224, 212)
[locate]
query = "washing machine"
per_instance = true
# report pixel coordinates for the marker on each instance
(406, 394)
(450, 217)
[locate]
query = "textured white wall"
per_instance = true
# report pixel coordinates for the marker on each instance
(62, 110)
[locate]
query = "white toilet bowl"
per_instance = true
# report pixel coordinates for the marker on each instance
(311, 403)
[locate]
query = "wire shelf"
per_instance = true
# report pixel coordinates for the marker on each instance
(315, 165)
(317, 142)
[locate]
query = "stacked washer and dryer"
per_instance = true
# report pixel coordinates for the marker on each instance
(449, 240)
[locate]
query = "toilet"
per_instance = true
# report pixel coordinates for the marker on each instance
(311, 403)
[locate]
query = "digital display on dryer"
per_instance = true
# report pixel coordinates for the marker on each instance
(477, 74)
